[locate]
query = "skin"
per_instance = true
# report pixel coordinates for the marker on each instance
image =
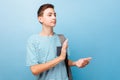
(48, 20)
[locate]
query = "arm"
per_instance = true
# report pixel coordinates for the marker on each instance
(80, 63)
(39, 68)
(71, 63)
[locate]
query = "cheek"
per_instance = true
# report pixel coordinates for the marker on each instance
(46, 19)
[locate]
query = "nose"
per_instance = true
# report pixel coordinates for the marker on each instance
(54, 17)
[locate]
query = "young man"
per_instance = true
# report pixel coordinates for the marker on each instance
(42, 49)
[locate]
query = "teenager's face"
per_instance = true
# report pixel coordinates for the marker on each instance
(49, 17)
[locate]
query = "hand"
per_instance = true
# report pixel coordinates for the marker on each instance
(64, 50)
(82, 62)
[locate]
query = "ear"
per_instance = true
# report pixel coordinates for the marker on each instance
(40, 19)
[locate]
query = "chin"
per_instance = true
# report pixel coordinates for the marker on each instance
(53, 25)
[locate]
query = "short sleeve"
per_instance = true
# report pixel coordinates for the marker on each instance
(31, 54)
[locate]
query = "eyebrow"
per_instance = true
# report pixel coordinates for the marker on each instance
(52, 13)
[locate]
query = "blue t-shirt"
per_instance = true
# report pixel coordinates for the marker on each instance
(41, 49)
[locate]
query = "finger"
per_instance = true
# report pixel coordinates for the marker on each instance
(88, 59)
(66, 41)
(87, 63)
(83, 65)
(65, 44)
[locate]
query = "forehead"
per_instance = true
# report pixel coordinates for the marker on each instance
(49, 10)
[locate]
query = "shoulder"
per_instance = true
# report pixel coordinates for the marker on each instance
(32, 38)
(61, 36)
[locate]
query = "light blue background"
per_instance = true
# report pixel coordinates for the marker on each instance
(92, 27)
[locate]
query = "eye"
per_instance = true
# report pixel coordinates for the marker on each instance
(55, 14)
(49, 15)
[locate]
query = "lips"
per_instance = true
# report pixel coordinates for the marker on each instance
(54, 22)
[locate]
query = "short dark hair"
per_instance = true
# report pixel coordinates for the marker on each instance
(42, 8)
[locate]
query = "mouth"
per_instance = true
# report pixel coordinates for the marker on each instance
(54, 22)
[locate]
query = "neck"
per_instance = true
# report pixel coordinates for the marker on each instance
(47, 31)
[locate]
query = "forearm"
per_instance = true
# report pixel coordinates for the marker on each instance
(71, 63)
(39, 68)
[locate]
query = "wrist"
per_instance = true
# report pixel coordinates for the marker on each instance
(60, 58)
(74, 63)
